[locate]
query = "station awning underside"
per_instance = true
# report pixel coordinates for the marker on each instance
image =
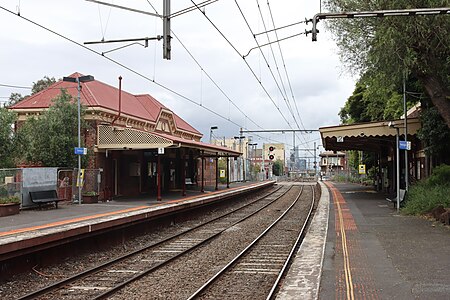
(120, 138)
(371, 136)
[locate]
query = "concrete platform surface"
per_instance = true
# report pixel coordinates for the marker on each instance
(36, 228)
(374, 253)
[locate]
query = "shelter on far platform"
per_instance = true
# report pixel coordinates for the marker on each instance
(380, 139)
(139, 145)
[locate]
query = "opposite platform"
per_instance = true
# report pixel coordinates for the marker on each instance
(40, 229)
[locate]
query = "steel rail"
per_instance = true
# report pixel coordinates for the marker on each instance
(244, 251)
(300, 237)
(96, 269)
(120, 286)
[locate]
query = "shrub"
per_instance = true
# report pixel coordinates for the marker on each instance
(422, 198)
(90, 193)
(11, 199)
(440, 176)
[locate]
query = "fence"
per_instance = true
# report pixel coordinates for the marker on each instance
(11, 182)
(19, 182)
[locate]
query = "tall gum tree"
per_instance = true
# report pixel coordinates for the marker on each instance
(390, 46)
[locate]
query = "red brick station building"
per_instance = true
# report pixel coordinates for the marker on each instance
(136, 141)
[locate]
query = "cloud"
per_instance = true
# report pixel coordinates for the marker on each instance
(28, 53)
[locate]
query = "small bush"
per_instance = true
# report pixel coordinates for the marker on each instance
(7, 200)
(90, 193)
(422, 198)
(440, 176)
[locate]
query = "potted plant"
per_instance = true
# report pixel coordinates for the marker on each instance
(9, 205)
(90, 197)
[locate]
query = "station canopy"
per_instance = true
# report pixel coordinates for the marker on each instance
(370, 136)
(120, 138)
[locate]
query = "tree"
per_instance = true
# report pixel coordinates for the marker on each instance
(372, 100)
(389, 46)
(42, 84)
(51, 138)
(36, 88)
(7, 141)
(14, 98)
(435, 135)
(277, 167)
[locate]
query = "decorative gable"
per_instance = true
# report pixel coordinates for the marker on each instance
(166, 123)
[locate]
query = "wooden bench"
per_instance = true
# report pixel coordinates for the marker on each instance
(402, 197)
(43, 197)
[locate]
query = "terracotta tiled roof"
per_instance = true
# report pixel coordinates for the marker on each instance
(97, 94)
(200, 145)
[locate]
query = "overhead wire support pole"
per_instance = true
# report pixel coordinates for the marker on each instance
(376, 13)
(166, 30)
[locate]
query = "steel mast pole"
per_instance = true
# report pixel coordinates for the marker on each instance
(406, 131)
(79, 139)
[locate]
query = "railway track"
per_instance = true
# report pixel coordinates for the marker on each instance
(106, 279)
(256, 271)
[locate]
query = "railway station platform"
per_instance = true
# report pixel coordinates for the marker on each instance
(369, 251)
(33, 229)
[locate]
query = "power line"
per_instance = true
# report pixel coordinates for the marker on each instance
(259, 136)
(267, 63)
(251, 70)
(271, 49)
(16, 86)
(206, 73)
(285, 68)
(123, 66)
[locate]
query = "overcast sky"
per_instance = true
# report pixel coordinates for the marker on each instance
(319, 84)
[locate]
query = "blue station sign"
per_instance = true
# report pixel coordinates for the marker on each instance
(80, 151)
(404, 145)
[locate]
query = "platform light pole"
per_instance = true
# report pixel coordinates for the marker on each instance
(397, 160)
(79, 80)
(250, 154)
(240, 162)
(211, 132)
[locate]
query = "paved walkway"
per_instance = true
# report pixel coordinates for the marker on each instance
(374, 253)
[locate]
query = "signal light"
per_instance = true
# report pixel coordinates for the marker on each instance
(271, 156)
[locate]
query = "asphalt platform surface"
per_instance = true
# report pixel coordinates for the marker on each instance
(372, 252)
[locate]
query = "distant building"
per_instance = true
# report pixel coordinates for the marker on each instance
(332, 162)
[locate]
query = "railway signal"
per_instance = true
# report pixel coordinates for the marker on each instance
(271, 156)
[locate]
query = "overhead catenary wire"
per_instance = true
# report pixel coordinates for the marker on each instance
(207, 74)
(273, 53)
(16, 86)
(285, 68)
(123, 66)
(214, 82)
(268, 65)
(251, 70)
